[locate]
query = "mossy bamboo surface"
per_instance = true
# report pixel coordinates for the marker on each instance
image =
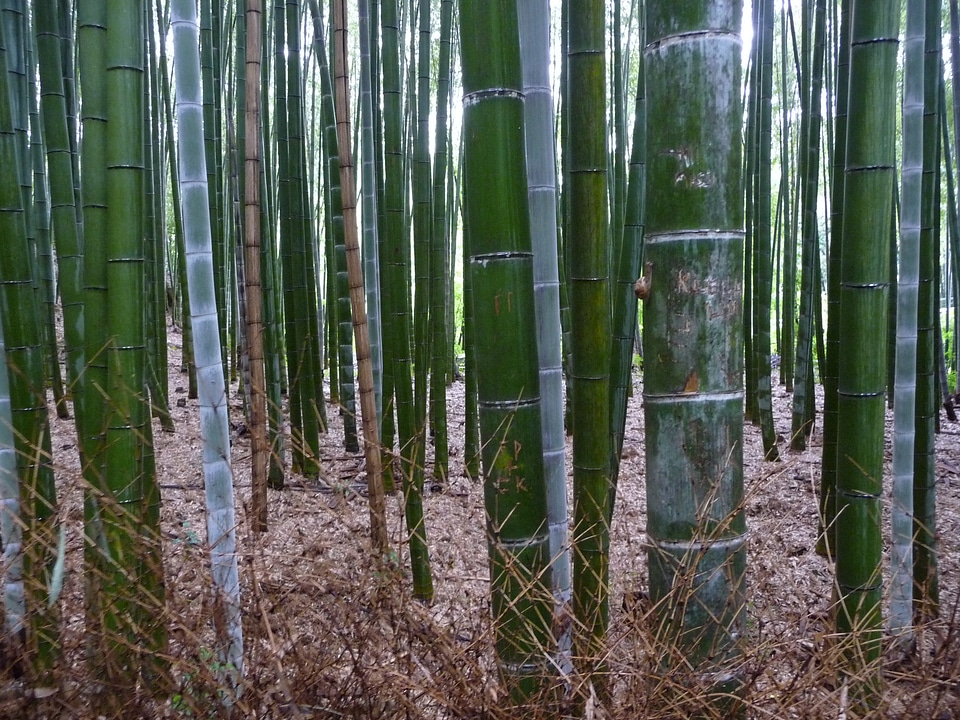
(693, 389)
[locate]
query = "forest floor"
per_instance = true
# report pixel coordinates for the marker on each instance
(327, 636)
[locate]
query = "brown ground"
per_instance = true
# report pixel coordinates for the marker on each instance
(324, 640)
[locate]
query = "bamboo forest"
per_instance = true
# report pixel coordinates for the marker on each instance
(411, 359)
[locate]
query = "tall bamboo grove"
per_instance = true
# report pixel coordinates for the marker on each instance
(693, 387)
(501, 272)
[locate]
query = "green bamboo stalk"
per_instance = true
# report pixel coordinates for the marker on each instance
(826, 542)
(63, 209)
(288, 268)
(955, 78)
(335, 205)
(953, 236)
(155, 666)
(453, 252)
(440, 310)
(869, 170)
(43, 256)
(589, 278)
(693, 391)
(628, 269)
(382, 64)
(273, 341)
(296, 238)
(16, 39)
(313, 398)
(235, 148)
(187, 363)
(751, 184)
(212, 107)
(422, 224)
(28, 409)
(237, 140)
(67, 26)
(157, 349)
(762, 256)
(618, 156)
(501, 269)
(785, 329)
(91, 41)
(471, 420)
(122, 507)
(332, 322)
(396, 302)
(801, 424)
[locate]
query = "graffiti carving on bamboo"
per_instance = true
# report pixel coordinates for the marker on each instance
(721, 295)
(509, 471)
(509, 302)
(688, 175)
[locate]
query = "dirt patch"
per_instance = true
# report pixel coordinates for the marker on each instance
(327, 635)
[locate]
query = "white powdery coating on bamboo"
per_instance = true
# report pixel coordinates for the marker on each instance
(11, 534)
(371, 261)
(534, 26)
(904, 393)
(214, 426)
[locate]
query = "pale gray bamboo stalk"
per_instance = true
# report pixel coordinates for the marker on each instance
(905, 390)
(534, 20)
(368, 191)
(11, 535)
(214, 425)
